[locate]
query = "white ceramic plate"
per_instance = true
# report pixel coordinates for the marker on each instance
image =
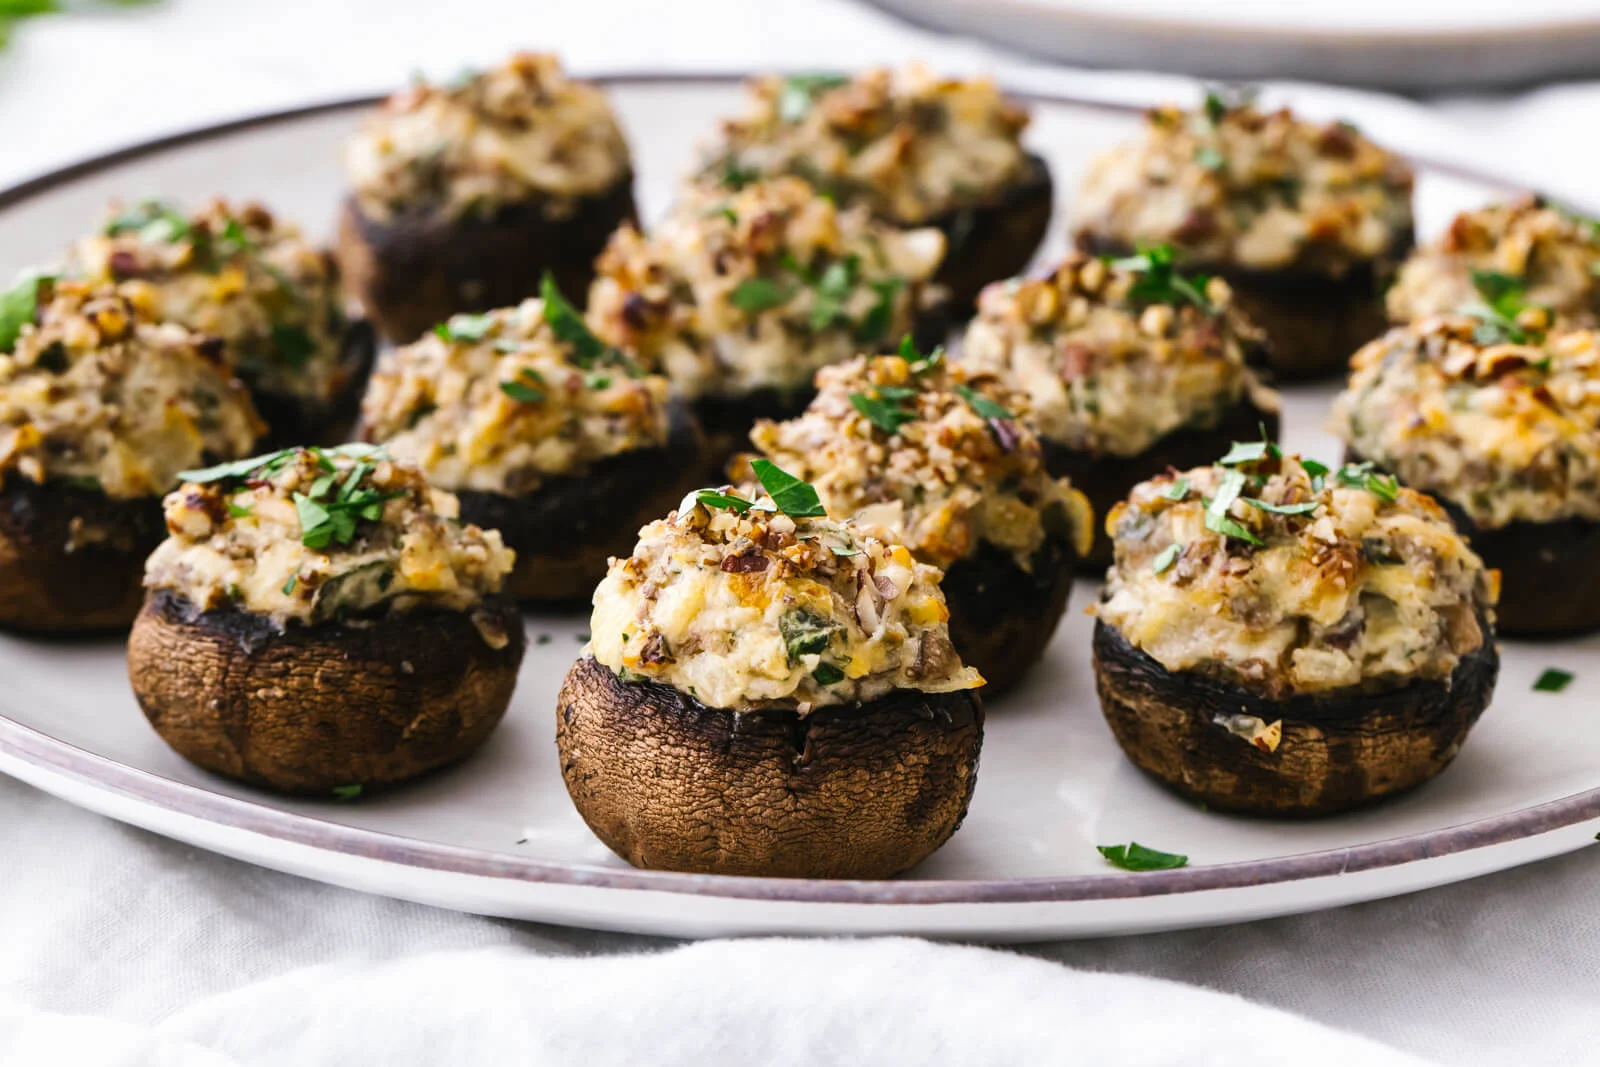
(498, 835)
(1419, 44)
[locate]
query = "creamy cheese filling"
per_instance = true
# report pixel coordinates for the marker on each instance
(499, 402)
(932, 453)
(312, 535)
(759, 288)
(755, 610)
(509, 134)
(235, 273)
(1112, 357)
(1508, 432)
(1354, 582)
(1234, 186)
(1551, 255)
(98, 393)
(909, 145)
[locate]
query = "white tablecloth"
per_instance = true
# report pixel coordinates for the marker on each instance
(120, 947)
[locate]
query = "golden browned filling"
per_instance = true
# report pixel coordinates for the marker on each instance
(235, 273)
(513, 133)
(98, 393)
(498, 402)
(746, 604)
(933, 453)
(1493, 416)
(1285, 577)
(315, 534)
(1229, 185)
(1112, 356)
(1545, 252)
(758, 288)
(905, 143)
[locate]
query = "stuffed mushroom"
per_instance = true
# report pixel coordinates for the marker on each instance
(1125, 368)
(101, 406)
(770, 692)
(251, 279)
(1542, 253)
(562, 444)
(1500, 423)
(463, 195)
(915, 149)
(1306, 220)
(1283, 639)
(934, 453)
(739, 297)
(318, 620)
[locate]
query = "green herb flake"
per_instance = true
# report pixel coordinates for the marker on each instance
(794, 498)
(346, 793)
(711, 498)
(831, 291)
(239, 511)
(1282, 509)
(755, 295)
(465, 327)
(1167, 558)
(1245, 452)
(1210, 159)
(804, 633)
(569, 327)
(883, 410)
(827, 674)
(154, 220)
(19, 305)
(981, 404)
(1135, 857)
(875, 323)
(1318, 472)
(800, 91)
(1553, 680)
(288, 587)
(1159, 280)
(524, 388)
(920, 364)
(1177, 490)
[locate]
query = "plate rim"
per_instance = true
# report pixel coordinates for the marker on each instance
(148, 789)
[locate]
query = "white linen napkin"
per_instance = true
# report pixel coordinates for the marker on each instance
(779, 1003)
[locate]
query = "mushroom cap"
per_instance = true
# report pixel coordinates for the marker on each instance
(311, 708)
(1001, 616)
(994, 238)
(864, 791)
(417, 269)
(1338, 750)
(44, 588)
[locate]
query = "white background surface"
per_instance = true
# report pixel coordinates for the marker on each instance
(102, 920)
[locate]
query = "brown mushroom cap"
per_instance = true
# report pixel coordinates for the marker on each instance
(293, 421)
(1107, 479)
(994, 238)
(1312, 321)
(1338, 750)
(1549, 571)
(865, 791)
(311, 708)
(417, 269)
(44, 588)
(1001, 616)
(565, 531)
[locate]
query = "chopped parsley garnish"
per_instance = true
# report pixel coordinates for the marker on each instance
(1177, 490)
(883, 407)
(1135, 857)
(346, 792)
(982, 405)
(805, 633)
(758, 294)
(1217, 518)
(794, 498)
(1167, 558)
(19, 304)
(1318, 472)
(1362, 476)
(464, 327)
(293, 344)
(154, 219)
(736, 175)
(525, 387)
(920, 364)
(1282, 509)
(568, 326)
(239, 511)
(832, 290)
(800, 91)
(827, 674)
(1210, 158)
(1553, 680)
(1504, 299)
(288, 587)
(1159, 280)
(271, 462)
(597, 381)
(711, 498)
(1246, 452)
